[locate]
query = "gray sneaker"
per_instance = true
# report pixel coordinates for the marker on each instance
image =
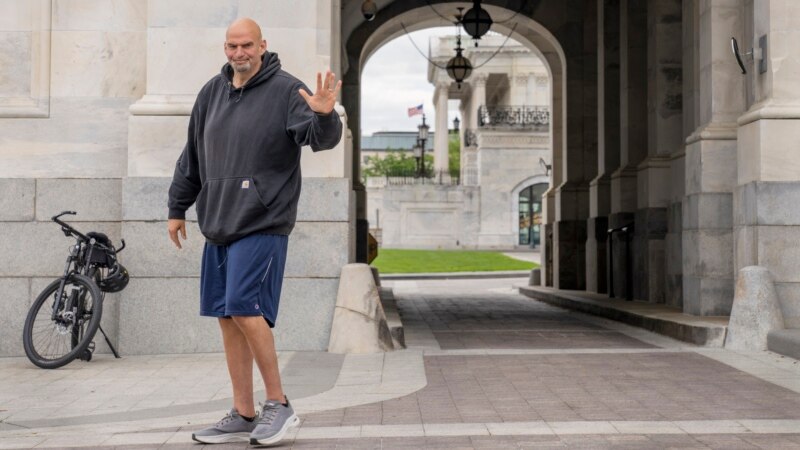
(231, 428)
(274, 422)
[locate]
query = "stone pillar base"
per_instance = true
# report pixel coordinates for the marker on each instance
(547, 254)
(707, 240)
(673, 283)
(597, 255)
(648, 256)
(766, 235)
(620, 251)
(569, 255)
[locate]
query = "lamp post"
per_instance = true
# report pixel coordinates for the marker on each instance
(418, 156)
(456, 124)
(422, 136)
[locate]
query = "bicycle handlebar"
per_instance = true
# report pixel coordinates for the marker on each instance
(68, 229)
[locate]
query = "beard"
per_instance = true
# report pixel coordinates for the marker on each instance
(241, 67)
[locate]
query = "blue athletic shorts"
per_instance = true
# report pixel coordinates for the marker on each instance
(243, 278)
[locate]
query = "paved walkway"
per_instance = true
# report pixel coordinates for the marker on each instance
(485, 368)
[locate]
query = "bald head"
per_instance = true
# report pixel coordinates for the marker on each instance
(244, 27)
(244, 47)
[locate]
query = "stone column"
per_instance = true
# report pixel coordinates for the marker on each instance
(542, 97)
(440, 144)
(579, 160)
(530, 89)
(477, 99)
(767, 218)
(519, 89)
(673, 285)
(608, 128)
(183, 52)
(665, 136)
(708, 272)
(633, 137)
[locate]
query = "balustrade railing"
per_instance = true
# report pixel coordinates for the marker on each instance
(527, 117)
(396, 178)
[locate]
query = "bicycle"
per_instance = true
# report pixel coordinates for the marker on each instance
(63, 320)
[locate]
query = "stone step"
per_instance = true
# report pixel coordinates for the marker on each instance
(392, 316)
(786, 342)
(661, 319)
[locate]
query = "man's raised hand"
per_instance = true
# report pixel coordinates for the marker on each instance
(324, 97)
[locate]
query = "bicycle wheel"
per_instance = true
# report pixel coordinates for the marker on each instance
(53, 343)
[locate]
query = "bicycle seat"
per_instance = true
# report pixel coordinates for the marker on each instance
(101, 238)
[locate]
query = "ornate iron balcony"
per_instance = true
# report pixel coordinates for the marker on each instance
(528, 117)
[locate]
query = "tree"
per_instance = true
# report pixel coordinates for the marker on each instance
(397, 162)
(454, 155)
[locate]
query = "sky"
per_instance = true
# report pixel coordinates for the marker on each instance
(395, 79)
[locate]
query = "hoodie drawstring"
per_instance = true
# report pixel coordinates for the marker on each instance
(231, 91)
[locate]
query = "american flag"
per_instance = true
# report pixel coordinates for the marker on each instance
(414, 110)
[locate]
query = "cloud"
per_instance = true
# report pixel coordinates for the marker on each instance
(396, 78)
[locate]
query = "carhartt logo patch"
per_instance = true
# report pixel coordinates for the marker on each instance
(246, 184)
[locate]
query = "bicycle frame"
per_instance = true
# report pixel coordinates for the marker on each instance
(85, 269)
(80, 257)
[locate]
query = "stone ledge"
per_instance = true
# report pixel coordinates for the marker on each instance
(661, 319)
(456, 275)
(786, 342)
(393, 319)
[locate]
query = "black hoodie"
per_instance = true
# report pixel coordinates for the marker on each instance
(241, 163)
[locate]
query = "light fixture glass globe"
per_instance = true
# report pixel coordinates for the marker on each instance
(369, 10)
(459, 68)
(476, 21)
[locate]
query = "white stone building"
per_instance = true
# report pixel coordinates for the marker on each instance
(652, 124)
(505, 132)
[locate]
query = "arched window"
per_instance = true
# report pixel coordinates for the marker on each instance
(530, 214)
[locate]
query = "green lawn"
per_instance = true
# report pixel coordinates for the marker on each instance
(431, 261)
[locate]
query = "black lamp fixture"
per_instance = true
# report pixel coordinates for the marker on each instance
(546, 167)
(476, 21)
(419, 149)
(423, 129)
(369, 10)
(459, 68)
(456, 123)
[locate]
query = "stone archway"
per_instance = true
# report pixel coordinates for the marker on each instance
(557, 31)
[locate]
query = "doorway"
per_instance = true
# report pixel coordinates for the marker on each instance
(530, 215)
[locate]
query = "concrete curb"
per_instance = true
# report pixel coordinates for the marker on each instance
(456, 275)
(705, 331)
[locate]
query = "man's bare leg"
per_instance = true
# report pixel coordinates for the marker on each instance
(240, 366)
(262, 347)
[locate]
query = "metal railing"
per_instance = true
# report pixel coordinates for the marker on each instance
(528, 117)
(442, 178)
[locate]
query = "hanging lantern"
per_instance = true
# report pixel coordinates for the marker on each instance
(476, 21)
(459, 68)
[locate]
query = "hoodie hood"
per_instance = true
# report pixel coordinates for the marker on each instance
(270, 65)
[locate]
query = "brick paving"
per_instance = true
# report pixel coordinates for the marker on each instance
(615, 442)
(503, 372)
(521, 388)
(633, 386)
(473, 321)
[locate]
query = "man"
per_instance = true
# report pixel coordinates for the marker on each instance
(241, 167)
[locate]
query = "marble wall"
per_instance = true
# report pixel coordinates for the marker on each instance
(94, 104)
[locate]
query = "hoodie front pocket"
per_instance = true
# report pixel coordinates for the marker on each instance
(229, 208)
